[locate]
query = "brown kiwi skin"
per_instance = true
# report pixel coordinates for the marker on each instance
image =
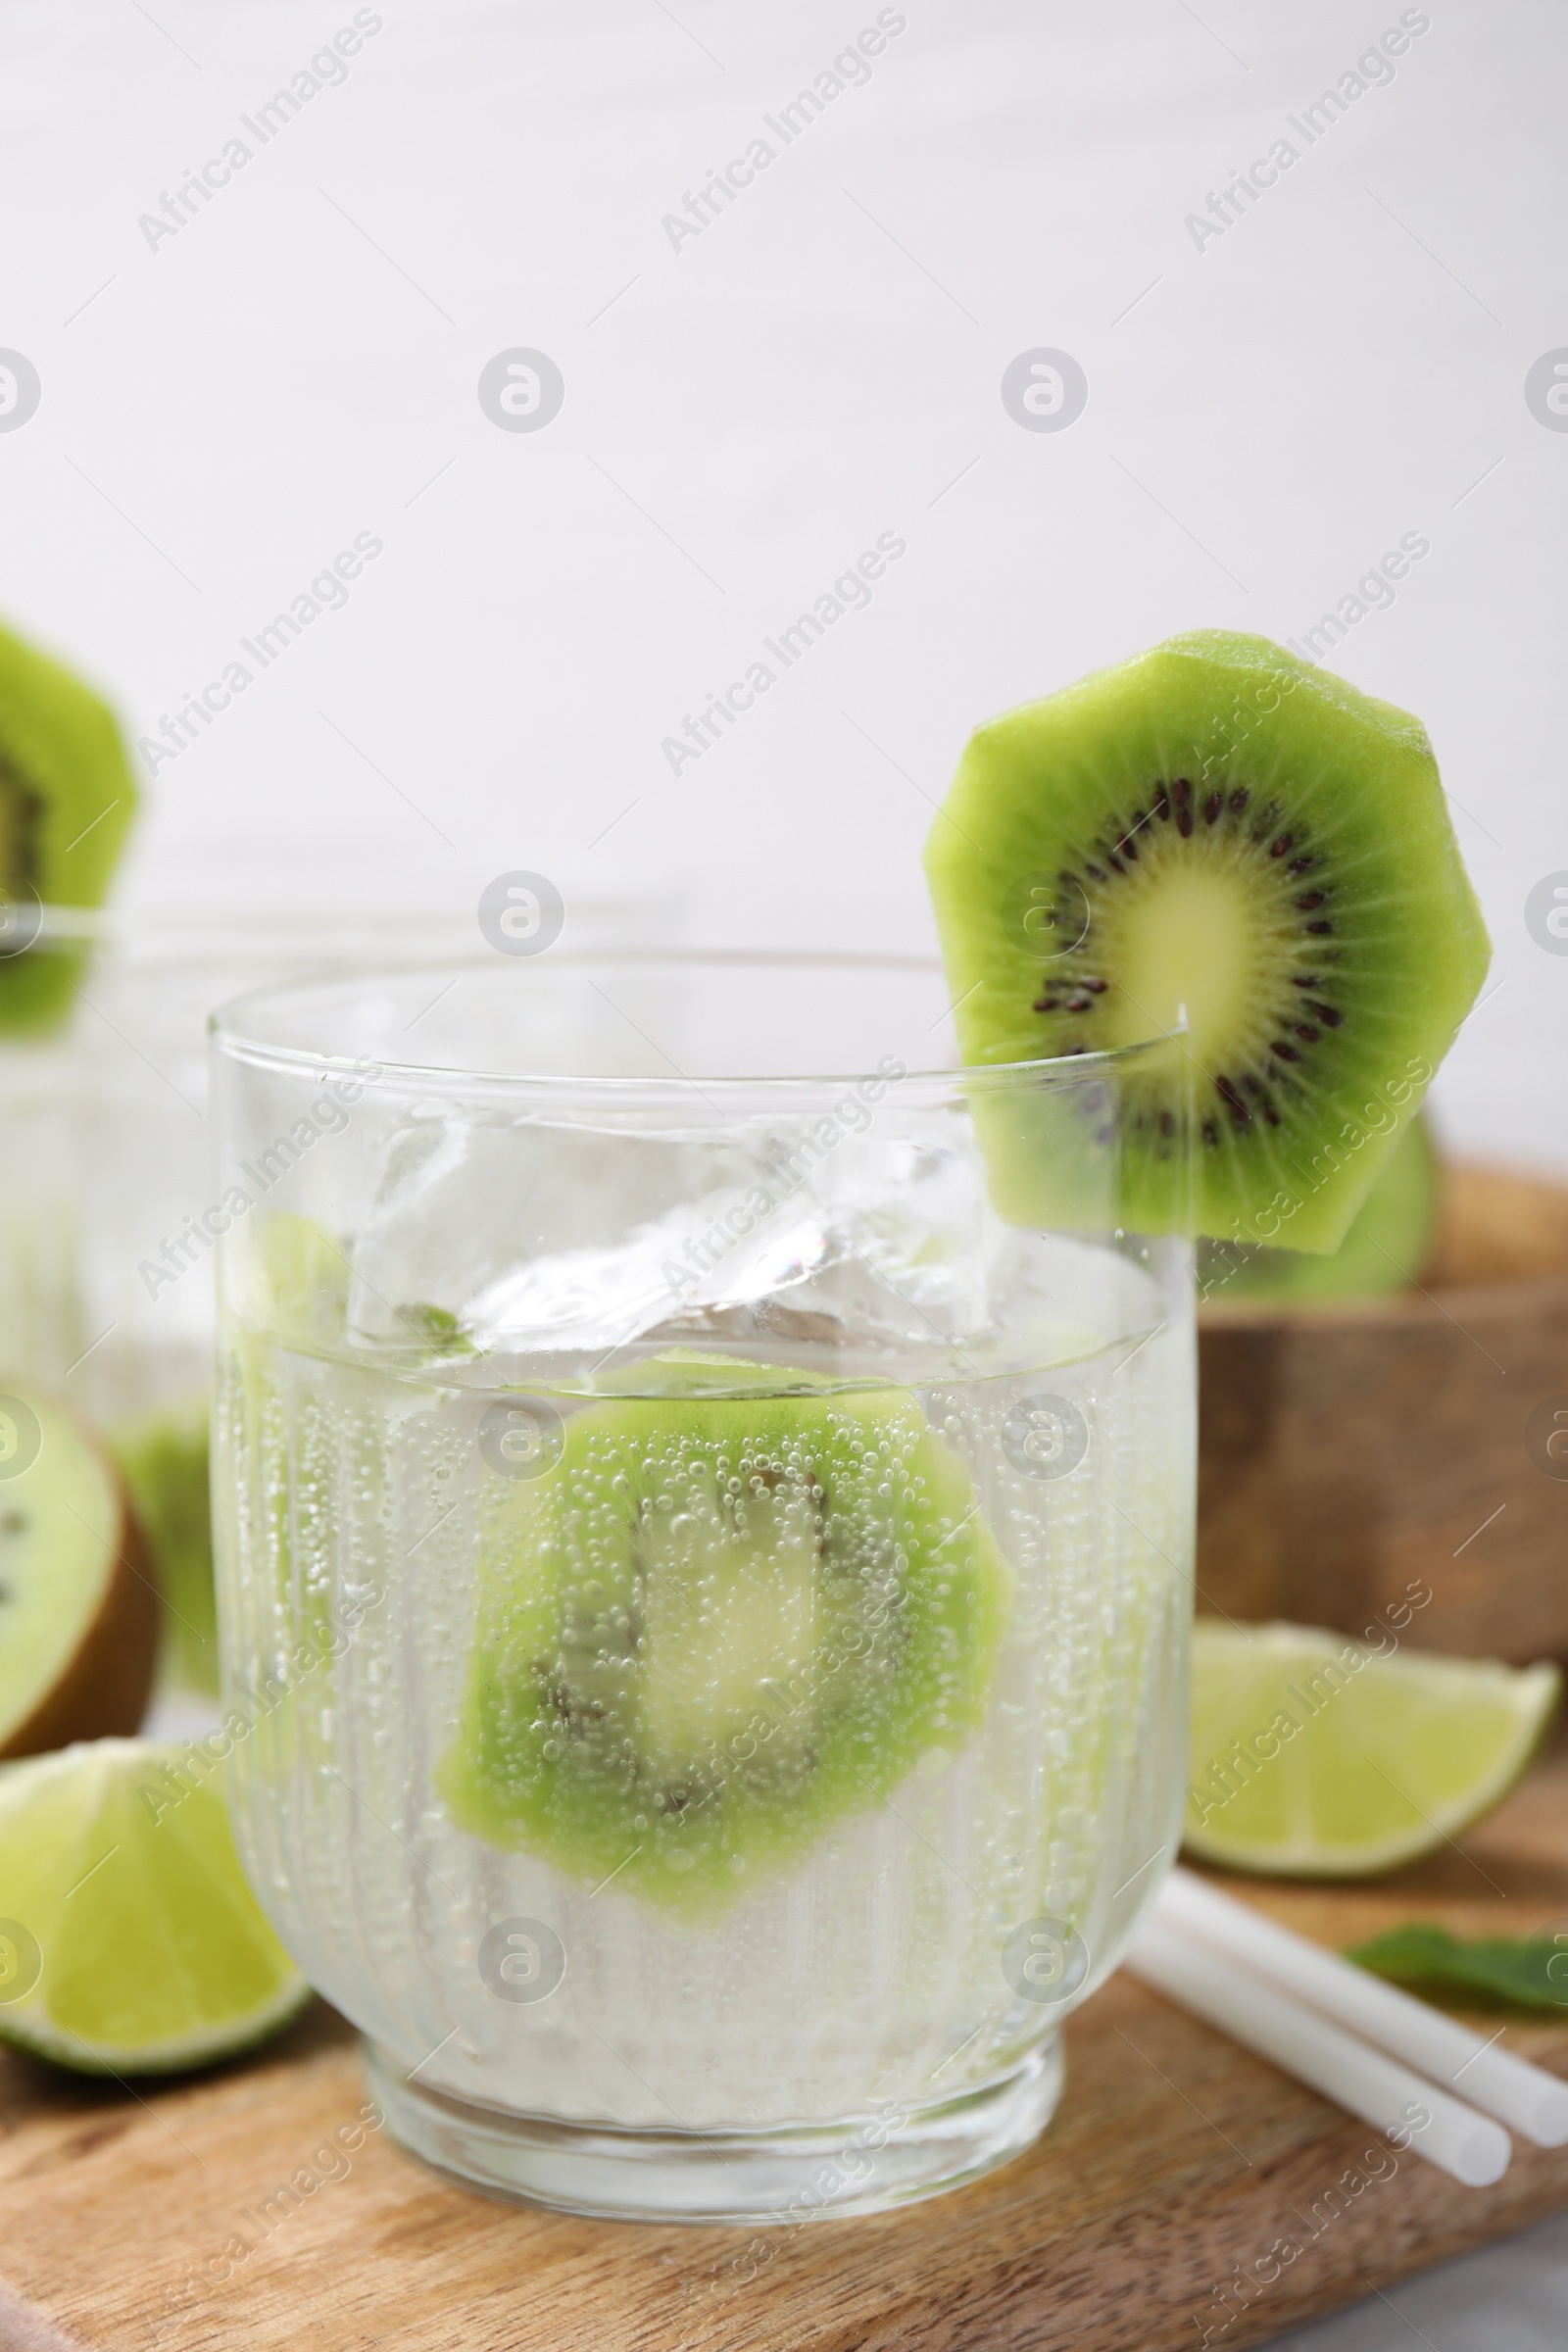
(102, 1690)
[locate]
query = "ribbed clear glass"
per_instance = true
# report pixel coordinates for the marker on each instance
(703, 1594)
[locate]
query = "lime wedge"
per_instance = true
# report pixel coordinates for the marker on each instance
(1317, 1757)
(132, 1943)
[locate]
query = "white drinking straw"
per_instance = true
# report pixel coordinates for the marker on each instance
(1278, 2027)
(1516, 2092)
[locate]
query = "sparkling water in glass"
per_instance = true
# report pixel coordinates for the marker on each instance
(705, 1562)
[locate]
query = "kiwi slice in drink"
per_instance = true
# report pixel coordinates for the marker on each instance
(163, 1460)
(1217, 834)
(710, 1627)
(66, 801)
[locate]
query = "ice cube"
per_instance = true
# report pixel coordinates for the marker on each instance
(546, 1244)
(530, 1236)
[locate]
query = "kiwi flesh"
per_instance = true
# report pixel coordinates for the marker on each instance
(288, 1277)
(1217, 844)
(715, 1627)
(66, 799)
(78, 1605)
(1386, 1250)
(163, 1460)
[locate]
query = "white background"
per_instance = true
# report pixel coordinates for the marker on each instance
(1267, 415)
(300, 363)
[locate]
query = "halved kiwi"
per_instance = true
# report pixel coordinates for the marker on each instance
(1217, 833)
(78, 1607)
(66, 801)
(714, 1625)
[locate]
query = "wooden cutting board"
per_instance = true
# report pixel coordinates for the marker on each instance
(1175, 2157)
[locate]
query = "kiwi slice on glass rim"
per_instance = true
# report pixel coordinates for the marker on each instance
(1384, 1250)
(710, 1627)
(1218, 838)
(66, 799)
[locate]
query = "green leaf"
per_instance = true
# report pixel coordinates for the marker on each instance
(436, 1327)
(1516, 1972)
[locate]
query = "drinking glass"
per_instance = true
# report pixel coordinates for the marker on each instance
(704, 1513)
(106, 1290)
